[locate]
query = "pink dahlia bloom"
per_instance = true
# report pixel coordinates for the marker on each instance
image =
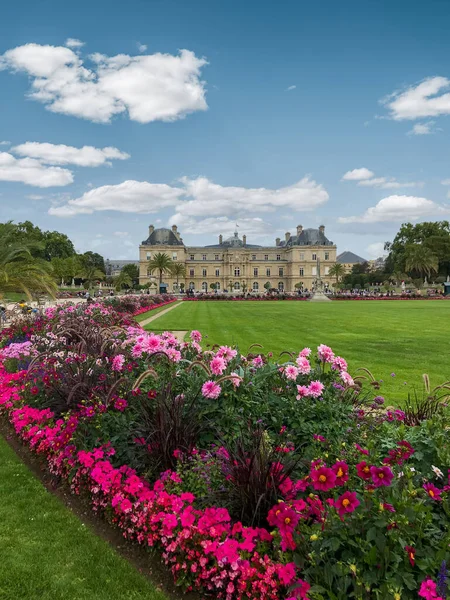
(347, 503)
(210, 389)
(325, 353)
(323, 478)
(118, 362)
(291, 372)
(339, 364)
(218, 365)
(303, 365)
(302, 392)
(196, 336)
(258, 362)
(433, 492)
(315, 388)
(347, 379)
(381, 476)
(305, 352)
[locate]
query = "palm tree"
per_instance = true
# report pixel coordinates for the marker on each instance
(19, 270)
(89, 273)
(338, 271)
(420, 259)
(178, 270)
(122, 279)
(160, 262)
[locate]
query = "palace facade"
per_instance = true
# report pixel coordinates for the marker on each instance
(235, 265)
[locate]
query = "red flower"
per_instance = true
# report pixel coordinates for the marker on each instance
(363, 470)
(34, 390)
(362, 450)
(152, 394)
(300, 590)
(347, 503)
(411, 554)
(341, 471)
(323, 479)
(381, 476)
(432, 491)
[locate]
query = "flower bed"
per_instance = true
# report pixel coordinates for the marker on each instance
(254, 479)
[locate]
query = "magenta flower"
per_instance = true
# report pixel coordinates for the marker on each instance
(347, 503)
(210, 389)
(120, 404)
(286, 573)
(428, 590)
(118, 362)
(218, 365)
(340, 469)
(323, 478)
(302, 392)
(433, 491)
(381, 476)
(316, 388)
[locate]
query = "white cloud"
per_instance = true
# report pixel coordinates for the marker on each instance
(128, 197)
(196, 198)
(424, 129)
(398, 208)
(141, 47)
(73, 43)
(367, 178)
(209, 198)
(5, 143)
(291, 87)
(59, 154)
(445, 182)
(376, 250)
(428, 98)
(34, 197)
(358, 174)
(32, 172)
(121, 234)
(155, 87)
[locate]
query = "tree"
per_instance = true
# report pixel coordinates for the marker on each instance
(298, 286)
(94, 259)
(19, 269)
(88, 271)
(360, 268)
(160, 262)
(338, 271)
(122, 280)
(178, 270)
(267, 285)
(213, 286)
(420, 259)
(133, 272)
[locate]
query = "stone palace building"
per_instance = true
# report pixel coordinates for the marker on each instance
(235, 265)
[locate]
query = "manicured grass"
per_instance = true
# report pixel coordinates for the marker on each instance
(407, 338)
(46, 553)
(150, 313)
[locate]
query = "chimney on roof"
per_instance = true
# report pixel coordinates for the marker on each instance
(220, 238)
(174, 228)
(322, 229)
(277, 242)
(299, 229)
(287, 236)
(151, 229)
(244, 239)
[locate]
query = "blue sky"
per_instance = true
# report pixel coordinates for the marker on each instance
(202, 114)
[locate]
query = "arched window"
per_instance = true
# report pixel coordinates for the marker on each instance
(217, 285)
(192, 285)
(204, 286)
(255, 286)
(281, 286)
(237, 285)
(237, 272)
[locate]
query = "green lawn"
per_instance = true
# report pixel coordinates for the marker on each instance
(150, 313)
(406, 338)
(46, 553)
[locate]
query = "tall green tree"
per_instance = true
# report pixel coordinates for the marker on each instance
(94, 259)
(122, 280)
(19, 269)
(162, 263)
(420, 259)
(133, 273)
(337, 271)
(88, 270)
(178, 271)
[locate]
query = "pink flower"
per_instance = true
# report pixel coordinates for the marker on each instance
(218, 365)
(347, 503)
(433, 492)
(286, 573)
(341, 471)
(210, 389)
(362, 450)
(315, 389)
(303, 365)
(120, 404)
(302, 392)
(227, 353)
(236, 381)
(291, 372)
(325, 353)
(258, 362)
(196, 336)
(428, 589)
(118, 362)
(347, 379)
(363, 470)
(323, 478)
(300, 591)
(305, 352)
(381, 476)
(339, 364)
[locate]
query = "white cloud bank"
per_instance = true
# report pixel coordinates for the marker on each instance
(60, 154)
(195, 198)
(427, 128)
(398, 208)
(429, 98)
(32, 172)
(154, 87)
(366, 178)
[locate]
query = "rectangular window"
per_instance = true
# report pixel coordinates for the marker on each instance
(149, 255)
(302, 256)
(301, 271)
(255, 272)
(204, 272)
(191, 273)
(314, 256)
(278, 256)
(237, 272)
(174, 256)
(280, 272)
(253, 256)
(266, 257)
(216, 257)
(192, 257)
(267, 272)
(217, 273)
(217, 285)
(327, 256)
(314, 271)
(203, 256)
